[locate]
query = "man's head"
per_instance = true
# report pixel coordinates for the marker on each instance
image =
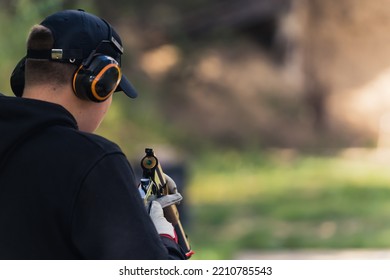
(80, 39)
(72, 51)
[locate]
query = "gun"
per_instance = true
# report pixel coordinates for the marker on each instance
(153, 183)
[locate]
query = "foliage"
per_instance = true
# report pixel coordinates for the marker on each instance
(268, 201)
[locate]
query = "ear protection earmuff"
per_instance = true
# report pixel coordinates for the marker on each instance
(99, 75)
(97, 78)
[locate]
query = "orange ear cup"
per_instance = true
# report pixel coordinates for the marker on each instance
(98, 80)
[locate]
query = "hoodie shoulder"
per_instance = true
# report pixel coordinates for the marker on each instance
(51, 126)
(93, 141)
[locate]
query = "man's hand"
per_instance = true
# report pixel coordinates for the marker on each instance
(174, 197)
(156, 205)
(163, 227)
(170, 184)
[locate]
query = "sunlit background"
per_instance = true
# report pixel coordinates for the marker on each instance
(272, 115)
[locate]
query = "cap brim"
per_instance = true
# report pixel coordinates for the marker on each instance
(127, 87)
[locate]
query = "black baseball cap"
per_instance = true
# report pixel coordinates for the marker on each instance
(77, 36)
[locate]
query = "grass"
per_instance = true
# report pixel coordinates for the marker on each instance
(283, 200)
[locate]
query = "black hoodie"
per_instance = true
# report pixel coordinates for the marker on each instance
(66, 194)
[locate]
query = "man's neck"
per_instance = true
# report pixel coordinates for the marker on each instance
(88, 114)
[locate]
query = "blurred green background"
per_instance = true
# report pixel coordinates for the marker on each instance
(273, 115)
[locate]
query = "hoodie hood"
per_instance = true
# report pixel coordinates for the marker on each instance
(21, 118)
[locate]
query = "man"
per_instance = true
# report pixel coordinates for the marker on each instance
(66, 193)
